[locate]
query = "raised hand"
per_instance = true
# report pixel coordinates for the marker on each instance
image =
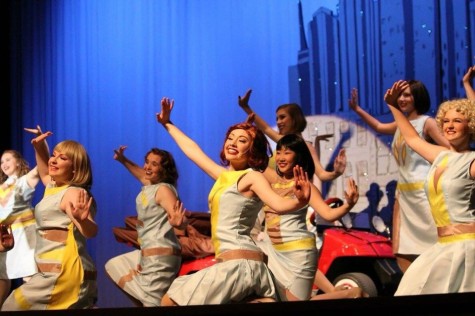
(81, 207)
(119, 153)
(37, 131)
(177, 216)
(353, 101)
(339, 165)
(351, 194)
(302, 184)
(322, 138)
(467, 78)
(467, 83)
(391, 95)
(40, 136)
(164, 116)
(244, 101)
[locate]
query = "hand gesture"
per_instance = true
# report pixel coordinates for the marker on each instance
(302, 185)
(177, 216)
(80, 209)
(244, 101)
(119, 154)
(164, 116)
(339, 165)
(353, 101)
(391, 95)
(467, 78)
(37, 131)
(40, 136)
(322, 138)
(351, 194)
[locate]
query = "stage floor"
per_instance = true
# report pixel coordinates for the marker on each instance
(443, 304)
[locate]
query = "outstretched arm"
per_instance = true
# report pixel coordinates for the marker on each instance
(189, 147)
(131, 166)
(41, 153)
(332, 214)
(339, 165)
(375, 124)
(32, 177)
(467, 83)
(257, 183)
(435, 135)
(259, 121)
(425, 149)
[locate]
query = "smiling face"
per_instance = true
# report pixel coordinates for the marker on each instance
(405, 101)
(237, 145)
(284, 122)
(152, 167)
(9, 164)
(455, 127)
(60, 167)
(285, 161)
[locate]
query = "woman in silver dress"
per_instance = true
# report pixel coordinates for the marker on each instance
(66, 276)
(237, 196)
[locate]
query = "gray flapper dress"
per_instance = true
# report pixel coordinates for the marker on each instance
(67, 275)
(240, 271)
(16, 210)
(417, 231)
(146, 274)
(449, 265)
(290, 247)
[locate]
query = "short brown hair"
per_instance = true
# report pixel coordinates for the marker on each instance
(299, 122)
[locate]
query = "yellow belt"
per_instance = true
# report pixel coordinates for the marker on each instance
(307, 243)
(24, 219)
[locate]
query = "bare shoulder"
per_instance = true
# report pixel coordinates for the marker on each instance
(71, 194)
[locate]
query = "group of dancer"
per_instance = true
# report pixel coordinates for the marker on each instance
(434, 222)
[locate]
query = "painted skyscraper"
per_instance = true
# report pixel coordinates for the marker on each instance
(369, 44)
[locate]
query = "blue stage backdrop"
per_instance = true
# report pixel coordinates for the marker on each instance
(95, 71)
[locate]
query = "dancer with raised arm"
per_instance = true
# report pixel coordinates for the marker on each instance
(237, 196)
(146, 274)
(447, 266)
(413, 227)
(66, 277)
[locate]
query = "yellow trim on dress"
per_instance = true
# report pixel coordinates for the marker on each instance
(437, 202)
(455, 238)
(410, 186)
(307, 243)
(68, 286)
(54, 190)
(225, 180)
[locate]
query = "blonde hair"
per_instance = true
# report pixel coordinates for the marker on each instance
(465, 107)
(81, 163)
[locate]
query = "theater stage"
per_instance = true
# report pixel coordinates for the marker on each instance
(443, 304)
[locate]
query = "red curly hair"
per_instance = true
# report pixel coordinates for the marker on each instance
(259, 151)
